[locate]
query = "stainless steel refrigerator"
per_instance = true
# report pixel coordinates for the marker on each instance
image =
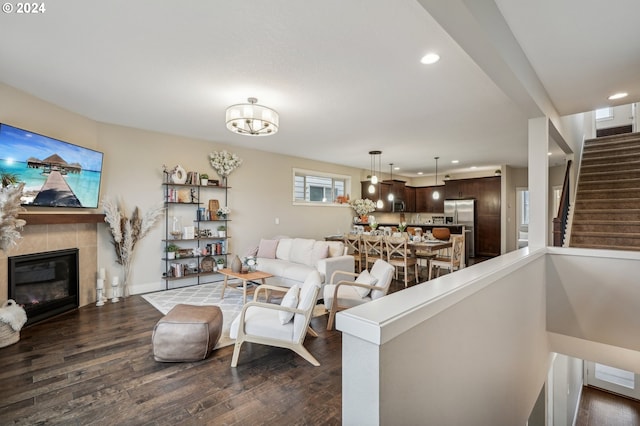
(463, 212)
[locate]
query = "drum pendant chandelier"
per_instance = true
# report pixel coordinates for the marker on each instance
(252, 119)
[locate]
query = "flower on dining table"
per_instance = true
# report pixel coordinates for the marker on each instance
(224, 162)
(363, 206)
(402, 226)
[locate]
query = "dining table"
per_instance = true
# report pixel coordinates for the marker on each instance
(430, 246)
(428, 249)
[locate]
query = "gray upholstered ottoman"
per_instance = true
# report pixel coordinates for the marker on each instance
(187, 333)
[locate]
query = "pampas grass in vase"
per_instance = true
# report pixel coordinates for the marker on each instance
(9, 209)
(126, 232)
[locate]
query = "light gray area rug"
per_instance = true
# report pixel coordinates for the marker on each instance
(203, 295)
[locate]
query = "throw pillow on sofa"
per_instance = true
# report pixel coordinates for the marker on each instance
(267, 249)
(284, 248)
(290, 300)
(320, 251)
(365, 278)
(301, 249)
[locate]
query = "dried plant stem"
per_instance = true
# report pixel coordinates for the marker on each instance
(126, 232)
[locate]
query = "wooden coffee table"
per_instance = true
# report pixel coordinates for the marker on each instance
(249, 276)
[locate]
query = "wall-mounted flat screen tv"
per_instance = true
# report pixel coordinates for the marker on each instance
(55, 173)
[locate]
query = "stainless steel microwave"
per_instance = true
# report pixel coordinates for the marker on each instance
(398, 206)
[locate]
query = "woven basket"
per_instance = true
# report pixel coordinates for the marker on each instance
(8, 336)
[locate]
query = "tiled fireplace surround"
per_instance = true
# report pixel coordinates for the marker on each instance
(38, 238)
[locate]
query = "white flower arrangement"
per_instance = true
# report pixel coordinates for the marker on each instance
(250, 262)
(223, 211)
(363, 206)
(224, 162)
(9, 209)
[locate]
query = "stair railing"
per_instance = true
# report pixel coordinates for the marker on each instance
(560, 221)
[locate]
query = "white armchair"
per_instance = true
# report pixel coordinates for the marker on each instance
(366, 287)
(261, 322)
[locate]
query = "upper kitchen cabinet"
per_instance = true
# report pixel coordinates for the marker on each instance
(484, 187)
(383, 194)
(410, 198)
(425, 202)
(486, 191)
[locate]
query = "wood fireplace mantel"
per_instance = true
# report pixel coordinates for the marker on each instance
(61, 218)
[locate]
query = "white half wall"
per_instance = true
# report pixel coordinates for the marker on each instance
(476, 336)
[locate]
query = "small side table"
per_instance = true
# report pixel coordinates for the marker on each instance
(249, 276)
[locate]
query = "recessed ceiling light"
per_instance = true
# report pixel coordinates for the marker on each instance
(618, 96)
(420, 173)
(473, 167)
(430, 58)
(455, 161)
(548, 153)
(396, 168)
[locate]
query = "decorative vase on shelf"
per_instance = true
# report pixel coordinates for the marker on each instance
(236, 264)
(364, 218)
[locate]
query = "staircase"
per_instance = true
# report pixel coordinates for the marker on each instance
(607, 208)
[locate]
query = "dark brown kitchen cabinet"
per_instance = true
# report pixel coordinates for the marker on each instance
(422, 195)
(381, 192)
(487, 192)
(436, 205)
(396, 187)
(425, 202)
(410, 198)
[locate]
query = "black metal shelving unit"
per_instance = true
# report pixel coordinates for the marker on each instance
(175, 202)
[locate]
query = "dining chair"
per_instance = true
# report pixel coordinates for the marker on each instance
(442, 234)
(425, 256)
(373, 247)
(399, 256)
(353, 244)
(451, 263)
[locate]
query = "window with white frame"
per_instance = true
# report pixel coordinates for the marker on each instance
(318, 187)
(604, 114)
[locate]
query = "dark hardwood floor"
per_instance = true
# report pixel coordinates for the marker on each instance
(94, 366)
(598, 408)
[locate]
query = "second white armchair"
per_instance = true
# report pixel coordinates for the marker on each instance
(366, 286)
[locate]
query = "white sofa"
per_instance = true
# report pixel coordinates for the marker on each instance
(291, 260)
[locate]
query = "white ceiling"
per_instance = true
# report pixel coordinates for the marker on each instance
(345, 76)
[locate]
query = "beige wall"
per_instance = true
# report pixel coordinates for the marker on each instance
(261, 187)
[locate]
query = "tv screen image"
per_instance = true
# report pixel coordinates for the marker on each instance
(55, 173)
